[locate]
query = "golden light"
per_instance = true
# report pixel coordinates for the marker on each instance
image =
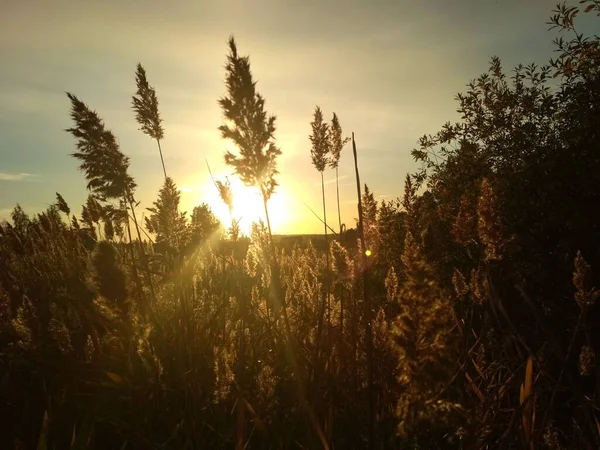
(368, 252)
(247, 205)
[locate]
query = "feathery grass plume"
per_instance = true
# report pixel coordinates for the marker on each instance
(489, 224)
(26, 324)
(62, 205)
(226, 194)
(118, 218)
(249, 128)
(108, 276)
(464, 226)
(336, 145)
(20, 219)
(145, 105)
(370, 224)
(478, 284)
(103, 163)
(109, 229)
(586, 294)
(44, 222)
(165, 220)
(587, 357)
(75, 222)
(95, 212)
(203, 224)
(319, 153)
(58, 329)
(86, 218)
(461, 287)
(341, 263)
(409, 203)
(94, 209)
(337, 141)
(391, 285)
(105, 167)
(425, 344)
(319, 139)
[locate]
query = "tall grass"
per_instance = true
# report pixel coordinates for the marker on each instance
(465, 314)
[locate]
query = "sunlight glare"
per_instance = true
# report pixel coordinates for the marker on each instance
(247, 206)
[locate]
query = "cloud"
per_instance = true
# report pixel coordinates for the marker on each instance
(332, 181)
(27, 97)
(18, 176)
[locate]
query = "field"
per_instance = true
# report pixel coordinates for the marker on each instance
(462, 315)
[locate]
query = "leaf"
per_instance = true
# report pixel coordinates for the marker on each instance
(589, 8)
(114, 377)
(82, 435)
(527, 400)
(258, 423)
(43, 439)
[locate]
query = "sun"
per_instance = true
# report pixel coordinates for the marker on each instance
(248, 206)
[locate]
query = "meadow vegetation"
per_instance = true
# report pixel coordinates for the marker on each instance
(462, 315)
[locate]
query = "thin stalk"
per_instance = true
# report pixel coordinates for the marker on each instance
(367, 302)
(241, 379)
(161, 158)
(270, 236)
(143, 253)
(267, 215)
(327, 296)
(337, 188)
(341, 344)
(144, 231)
(341, 288)
(326, 256)
(319, 363)
(241, 375)
(99, 232)
(321, 220)
(134, 267)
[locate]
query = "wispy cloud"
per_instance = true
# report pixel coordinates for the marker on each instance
(29, 97)
(18, 176)
(332, 181)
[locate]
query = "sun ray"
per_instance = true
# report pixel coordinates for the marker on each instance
(247, 204)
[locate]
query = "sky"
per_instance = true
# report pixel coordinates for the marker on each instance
(390, 69)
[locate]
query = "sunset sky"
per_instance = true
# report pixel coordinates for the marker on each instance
(389, 69)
